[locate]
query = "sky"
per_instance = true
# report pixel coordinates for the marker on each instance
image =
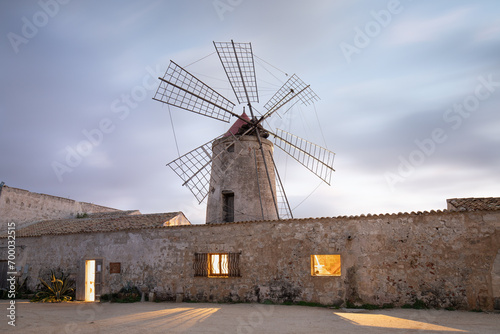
(409, 98)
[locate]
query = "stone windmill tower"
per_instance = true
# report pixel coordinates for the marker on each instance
(246, 177)
(236, 171)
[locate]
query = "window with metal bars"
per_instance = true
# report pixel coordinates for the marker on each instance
(217, 264)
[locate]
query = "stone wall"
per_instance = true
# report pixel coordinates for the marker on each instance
(25, 207)
(446, 259)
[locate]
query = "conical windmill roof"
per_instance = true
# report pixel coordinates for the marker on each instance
(233, 130)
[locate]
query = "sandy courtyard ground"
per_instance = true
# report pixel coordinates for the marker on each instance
(80, 317)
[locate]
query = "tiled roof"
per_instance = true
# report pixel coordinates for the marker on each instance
(473, 204)
(113, 214)
(133, 220)
(101, 224)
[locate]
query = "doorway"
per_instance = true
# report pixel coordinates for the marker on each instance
(93, 274)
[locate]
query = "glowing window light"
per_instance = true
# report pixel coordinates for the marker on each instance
(325, 265)
(218, 264)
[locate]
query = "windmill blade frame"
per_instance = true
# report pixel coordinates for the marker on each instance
(238, 63)
(195, 168)
(181, 89)
(294, 87)
(208, 163)
(314, 157)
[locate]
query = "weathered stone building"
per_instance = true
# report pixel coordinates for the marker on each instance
(447, 258)
(25, 207)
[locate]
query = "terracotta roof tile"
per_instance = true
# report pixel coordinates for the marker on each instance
(133, 221)
(104, 223)
(473, 204)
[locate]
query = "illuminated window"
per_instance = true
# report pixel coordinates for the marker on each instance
(217, 264)
(325, 265)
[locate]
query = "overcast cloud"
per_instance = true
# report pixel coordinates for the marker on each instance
(410, 96)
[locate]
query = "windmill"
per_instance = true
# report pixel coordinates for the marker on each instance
(236, 172)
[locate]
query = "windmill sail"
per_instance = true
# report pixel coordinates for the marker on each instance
(237, 60)
(314, 157)
(194, 168)
(206, 164)
(294, 87)
(181, 89)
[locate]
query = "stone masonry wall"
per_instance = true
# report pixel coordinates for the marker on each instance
(25, 207)
(446, 259)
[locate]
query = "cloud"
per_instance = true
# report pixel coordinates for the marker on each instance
(490, 32)
(67, 77)
(419, 30)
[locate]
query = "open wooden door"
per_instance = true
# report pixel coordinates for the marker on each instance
(89, 280)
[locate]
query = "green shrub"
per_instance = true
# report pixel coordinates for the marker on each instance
(302, 303)
(349, 304)
(370, 307)
(417, 305)
(127, 294)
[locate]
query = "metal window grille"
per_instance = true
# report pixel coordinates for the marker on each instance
(234, 265)
(217, 264)
(201, 264)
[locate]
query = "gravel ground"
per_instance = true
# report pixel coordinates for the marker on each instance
(80, 317)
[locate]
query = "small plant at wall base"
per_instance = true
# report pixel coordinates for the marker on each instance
(82, 215)
(58, 290)
(417, 305)
(127, 294)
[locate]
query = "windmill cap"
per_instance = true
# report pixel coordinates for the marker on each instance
(233, 130)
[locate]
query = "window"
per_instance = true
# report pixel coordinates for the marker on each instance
(217, 264)
(325, 265)
(227, 206)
